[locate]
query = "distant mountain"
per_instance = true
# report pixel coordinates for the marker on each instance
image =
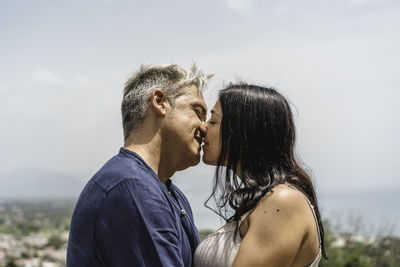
(34, 183)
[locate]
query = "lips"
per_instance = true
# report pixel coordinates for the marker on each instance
(199, 140)
(205, 144)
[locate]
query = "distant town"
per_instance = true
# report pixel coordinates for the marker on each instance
(35, 234)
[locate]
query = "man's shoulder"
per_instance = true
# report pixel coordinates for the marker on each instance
(119, 169)
(114, 181)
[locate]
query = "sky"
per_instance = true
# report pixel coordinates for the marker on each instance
(63, 65)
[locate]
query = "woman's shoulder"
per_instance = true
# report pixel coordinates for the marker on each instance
(284, 204)
(284, 216)
(284, 197)
(280, 226)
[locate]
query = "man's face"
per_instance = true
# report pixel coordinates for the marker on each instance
(183, 129)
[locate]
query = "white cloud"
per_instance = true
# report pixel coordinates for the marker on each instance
(370, 2)
(240, 6)
(280, 8)
(374, 3)
(46, 76)
(82, 80)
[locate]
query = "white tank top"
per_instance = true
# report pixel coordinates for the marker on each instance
(219, 249)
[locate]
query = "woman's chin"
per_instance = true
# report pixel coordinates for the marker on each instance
(207, 161)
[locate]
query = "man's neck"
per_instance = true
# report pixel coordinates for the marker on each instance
(150, 151)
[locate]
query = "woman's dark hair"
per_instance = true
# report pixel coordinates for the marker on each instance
(257, 137)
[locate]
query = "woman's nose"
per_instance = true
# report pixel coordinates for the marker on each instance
(203, 128)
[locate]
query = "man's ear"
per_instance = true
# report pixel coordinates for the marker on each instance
(159, 102)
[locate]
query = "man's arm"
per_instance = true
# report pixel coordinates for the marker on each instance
(135, 227)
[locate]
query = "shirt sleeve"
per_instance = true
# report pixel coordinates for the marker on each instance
(136, 227)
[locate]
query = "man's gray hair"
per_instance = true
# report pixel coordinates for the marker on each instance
(172, 79)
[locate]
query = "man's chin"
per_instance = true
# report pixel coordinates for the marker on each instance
(194, 160)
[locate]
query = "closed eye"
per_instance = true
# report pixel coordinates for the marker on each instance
(199, 114)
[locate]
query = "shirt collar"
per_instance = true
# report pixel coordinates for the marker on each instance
(129, 153)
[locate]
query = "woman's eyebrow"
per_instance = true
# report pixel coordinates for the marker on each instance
(215, 113)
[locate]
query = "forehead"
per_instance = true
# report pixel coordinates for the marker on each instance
(217, 108)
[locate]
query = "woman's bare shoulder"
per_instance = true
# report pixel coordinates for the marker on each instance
(284, 197)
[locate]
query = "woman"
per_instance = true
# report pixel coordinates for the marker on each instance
(276, 220)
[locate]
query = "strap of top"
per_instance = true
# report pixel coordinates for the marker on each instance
(313, 212)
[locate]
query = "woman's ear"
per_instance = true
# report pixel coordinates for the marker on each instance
(159, 102)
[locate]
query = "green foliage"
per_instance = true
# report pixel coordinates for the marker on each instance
(381, 252)
(205, 232)
(11, 263)
(55, 241)
(23, 218)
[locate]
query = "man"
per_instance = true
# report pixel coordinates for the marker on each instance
(129, 213)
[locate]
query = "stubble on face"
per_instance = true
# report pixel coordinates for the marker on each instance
(183, 134)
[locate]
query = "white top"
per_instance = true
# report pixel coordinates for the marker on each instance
(219, 250)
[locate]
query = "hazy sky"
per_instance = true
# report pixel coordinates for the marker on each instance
(64, 63)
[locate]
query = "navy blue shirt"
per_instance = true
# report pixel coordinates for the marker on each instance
(126, 217)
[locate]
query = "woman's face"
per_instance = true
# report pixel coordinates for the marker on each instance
(212, 141)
